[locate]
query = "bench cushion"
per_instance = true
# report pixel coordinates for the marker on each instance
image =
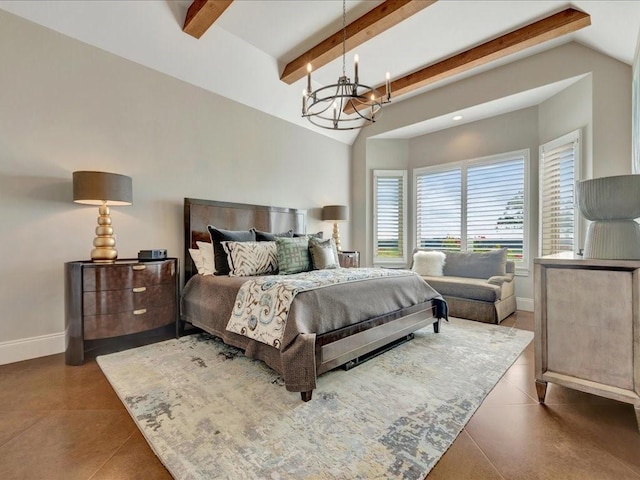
(471, 288)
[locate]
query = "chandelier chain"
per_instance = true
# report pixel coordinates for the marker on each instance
(344, 36)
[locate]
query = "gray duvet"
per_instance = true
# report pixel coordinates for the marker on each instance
(207, 302)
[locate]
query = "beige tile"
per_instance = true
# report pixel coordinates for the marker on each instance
(65, 445)
(505, 393)
(464, 460)
(520, 319)
(13, 424)
(135, 461)
(527, 357)
(529, 441)
(48, 384)
(613, 427)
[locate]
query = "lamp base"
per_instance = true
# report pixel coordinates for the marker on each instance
(104, 255)
(613, 239)
(336, 237)
(105, 243)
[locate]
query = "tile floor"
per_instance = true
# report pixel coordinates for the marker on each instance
(62, 422)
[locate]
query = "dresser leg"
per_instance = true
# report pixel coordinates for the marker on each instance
(541, 390)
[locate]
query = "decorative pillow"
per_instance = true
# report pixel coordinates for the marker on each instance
(218, 235)
(293, 255)
(251, 258)
(208, 264)
(429, 263)
(319, 235)
(477, 264)
(324, 253)
(270, 237)
(196, 256)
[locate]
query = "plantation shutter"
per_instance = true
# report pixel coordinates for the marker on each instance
(439, 209)
(495, 206)
(558, 175)
(389, 215)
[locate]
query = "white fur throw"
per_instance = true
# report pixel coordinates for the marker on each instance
(429, 264)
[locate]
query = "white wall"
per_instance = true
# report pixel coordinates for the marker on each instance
(67, 106)
(602, 100)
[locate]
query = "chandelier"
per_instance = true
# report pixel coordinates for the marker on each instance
(326, 106)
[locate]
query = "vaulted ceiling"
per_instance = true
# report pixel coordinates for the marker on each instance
(255, 52)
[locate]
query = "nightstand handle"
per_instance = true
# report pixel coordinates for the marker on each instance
(139, 267)
(140, 312)
(139, 289)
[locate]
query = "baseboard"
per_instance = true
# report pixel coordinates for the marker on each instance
(34, 347)
(525, 304)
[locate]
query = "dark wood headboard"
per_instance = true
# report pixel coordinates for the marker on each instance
(198, 214)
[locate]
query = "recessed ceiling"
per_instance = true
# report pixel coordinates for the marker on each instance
(242, 55)
(457, 118)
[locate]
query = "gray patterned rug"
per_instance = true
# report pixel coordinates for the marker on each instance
(209, 412)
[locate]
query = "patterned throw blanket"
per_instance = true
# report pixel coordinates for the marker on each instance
(262, 305)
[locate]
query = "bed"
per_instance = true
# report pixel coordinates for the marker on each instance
(337, 325)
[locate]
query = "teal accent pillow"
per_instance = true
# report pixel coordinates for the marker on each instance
(293, 255)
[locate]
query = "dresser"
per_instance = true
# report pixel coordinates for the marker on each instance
(104, 300)
(587, 326)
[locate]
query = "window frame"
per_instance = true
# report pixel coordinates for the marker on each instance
(522, 266)
(386, 261)
(571, 137)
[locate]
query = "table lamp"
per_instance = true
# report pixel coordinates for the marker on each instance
(335, 214)
(103, 189)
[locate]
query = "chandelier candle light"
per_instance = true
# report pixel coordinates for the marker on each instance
(337, 97)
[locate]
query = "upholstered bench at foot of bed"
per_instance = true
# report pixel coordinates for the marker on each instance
(368, 354)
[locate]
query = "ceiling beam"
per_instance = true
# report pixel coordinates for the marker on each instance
(548, 28)
(202, 14)
(376, 21)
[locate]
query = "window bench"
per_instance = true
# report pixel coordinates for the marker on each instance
(477, 286)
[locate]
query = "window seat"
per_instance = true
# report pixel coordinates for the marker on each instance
(476, 285)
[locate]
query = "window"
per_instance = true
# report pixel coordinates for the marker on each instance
(439, 209)
(559, 168)
(475, 205)
(389, 212)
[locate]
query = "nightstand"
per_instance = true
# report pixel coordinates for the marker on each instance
(104, 300)
(349, 259)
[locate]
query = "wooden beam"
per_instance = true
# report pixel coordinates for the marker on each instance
(551, 27)
(376, 21)
(202, 14)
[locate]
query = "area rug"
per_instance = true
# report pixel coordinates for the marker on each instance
(209, 412)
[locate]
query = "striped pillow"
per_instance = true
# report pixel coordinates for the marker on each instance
(251, 258)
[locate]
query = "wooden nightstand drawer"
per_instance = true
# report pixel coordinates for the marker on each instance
(114, 325)
(116, 277)
(118, 301)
